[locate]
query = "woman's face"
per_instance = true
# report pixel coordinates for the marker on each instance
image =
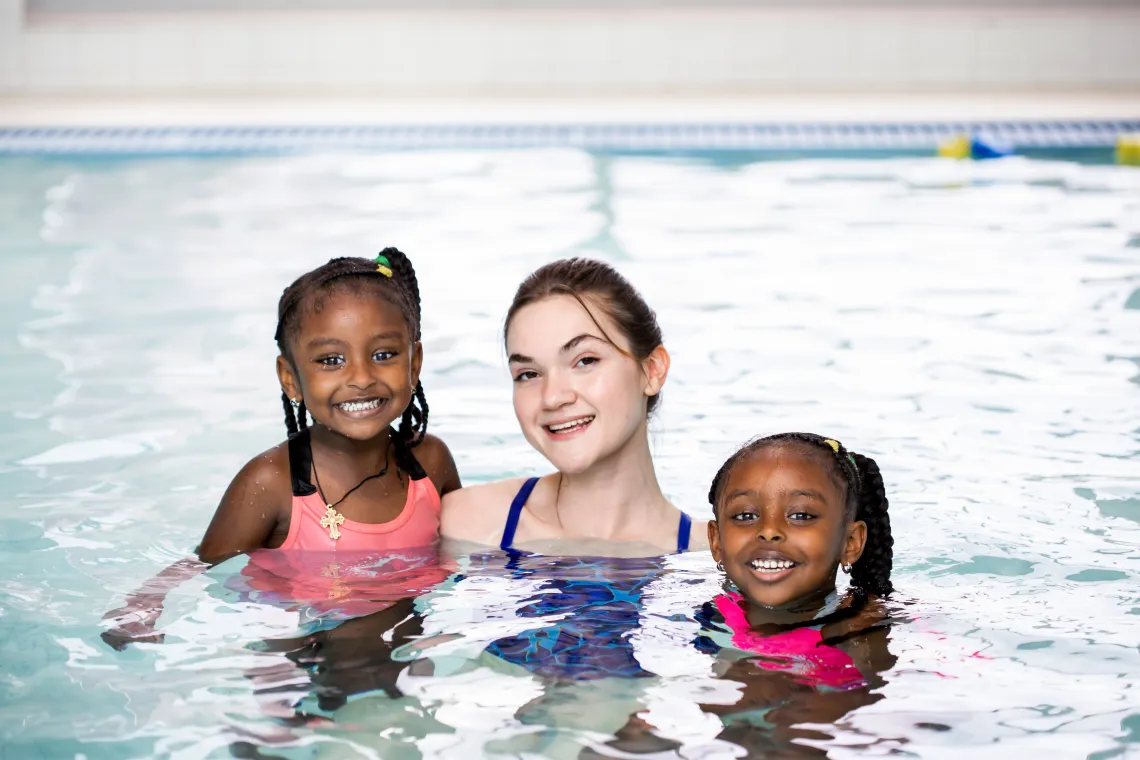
(578, 398)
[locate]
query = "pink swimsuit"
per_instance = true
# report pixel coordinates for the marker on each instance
(367, 568)
(799, 652)
(339, 584)
(417, 525)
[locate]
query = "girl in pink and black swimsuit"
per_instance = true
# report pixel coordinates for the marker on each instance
(790, 511)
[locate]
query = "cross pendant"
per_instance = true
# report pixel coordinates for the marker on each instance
(332, 520)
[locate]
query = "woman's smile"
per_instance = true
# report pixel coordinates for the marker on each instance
(570, 428)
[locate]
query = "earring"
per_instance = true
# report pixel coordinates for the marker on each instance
(846, 569)
(720, 566)
(295, 403)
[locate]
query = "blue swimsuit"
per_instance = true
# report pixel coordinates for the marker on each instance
(524, 493)
(602, 607)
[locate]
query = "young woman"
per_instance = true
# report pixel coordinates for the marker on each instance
(588, 366)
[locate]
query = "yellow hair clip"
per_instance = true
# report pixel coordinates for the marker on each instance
(833, 444)
(383, 266)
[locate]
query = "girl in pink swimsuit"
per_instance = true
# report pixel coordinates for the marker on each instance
(349, 337)
(364, 480)
(790, 511)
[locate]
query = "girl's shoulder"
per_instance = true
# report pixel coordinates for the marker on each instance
(434, 456)
(268, 471)
(255, 509)
(479, 513)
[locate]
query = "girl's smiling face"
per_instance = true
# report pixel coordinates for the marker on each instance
(782, 528)
(353, 362)
(578, 397)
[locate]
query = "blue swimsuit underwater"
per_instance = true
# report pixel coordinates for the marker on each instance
(601, 601)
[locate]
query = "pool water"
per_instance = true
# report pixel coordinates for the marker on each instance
(974, 327)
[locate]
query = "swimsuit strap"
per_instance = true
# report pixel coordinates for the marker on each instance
(683, 533)
(301, 464)
(516, 510)
(412, 465)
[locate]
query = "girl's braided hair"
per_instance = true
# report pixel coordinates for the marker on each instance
(308, 293)
(866, 500)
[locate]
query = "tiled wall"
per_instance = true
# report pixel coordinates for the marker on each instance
(810, 47)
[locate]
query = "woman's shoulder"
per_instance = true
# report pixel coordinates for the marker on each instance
(479, 512)
(698, 533)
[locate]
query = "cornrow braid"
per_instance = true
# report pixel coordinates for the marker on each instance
(402, 288)
(296, 419)
(866, 500)
(413, 422)
(872, 571)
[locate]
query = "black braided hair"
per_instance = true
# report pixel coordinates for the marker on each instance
(865, 494)
(402, 289)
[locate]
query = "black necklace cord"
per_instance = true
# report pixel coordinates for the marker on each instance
(382, 473)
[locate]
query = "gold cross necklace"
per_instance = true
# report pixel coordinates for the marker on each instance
(333, 519)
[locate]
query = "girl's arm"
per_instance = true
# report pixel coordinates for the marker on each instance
(866, 640)
(134, 622)
(252, 509)
(245, 520)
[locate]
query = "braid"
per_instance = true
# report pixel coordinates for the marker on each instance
(872, 571)
(406, 289)
(297, 419)
(413, 422)
(866, 501)
(290, 420)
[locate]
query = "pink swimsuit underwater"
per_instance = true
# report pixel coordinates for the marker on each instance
(799, 652)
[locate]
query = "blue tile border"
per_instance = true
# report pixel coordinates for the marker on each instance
(807, 136)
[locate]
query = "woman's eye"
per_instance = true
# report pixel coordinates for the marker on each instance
(383, 356)
(586, 361)
(525, 375)
(335, 360)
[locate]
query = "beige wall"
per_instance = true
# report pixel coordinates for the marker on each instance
(811, 47)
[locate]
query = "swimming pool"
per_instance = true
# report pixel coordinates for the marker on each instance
(974, 326)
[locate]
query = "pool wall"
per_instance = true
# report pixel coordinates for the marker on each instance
(389, 48)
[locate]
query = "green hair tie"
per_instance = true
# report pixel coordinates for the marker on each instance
(383, 265)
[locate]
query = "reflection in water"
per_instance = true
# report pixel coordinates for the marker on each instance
(587, 681)
(807, 674)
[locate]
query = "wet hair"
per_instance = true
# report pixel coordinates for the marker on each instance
(308, 294)
(865, 499)
(600, 284)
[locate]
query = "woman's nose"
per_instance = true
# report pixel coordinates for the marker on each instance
(556, 391)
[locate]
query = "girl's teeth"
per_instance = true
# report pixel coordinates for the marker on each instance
(772, 564)
(571, 424)
(359, 406)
